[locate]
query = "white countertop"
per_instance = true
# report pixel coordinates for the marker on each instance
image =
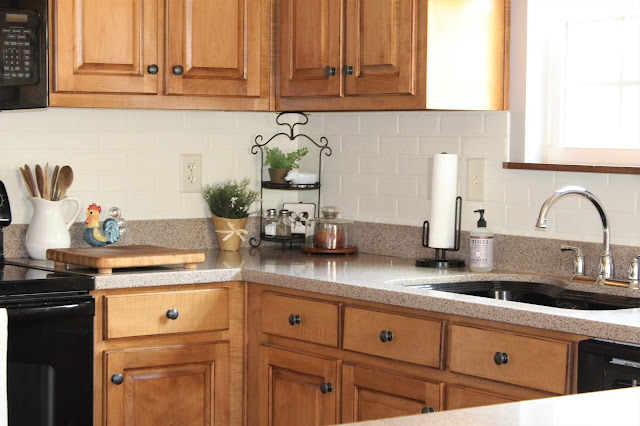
(379, 279)
(611, 408)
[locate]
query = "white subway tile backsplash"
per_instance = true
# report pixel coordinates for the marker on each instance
(413, 209)
(461, 124)
(586, 180)
(148, 120)
(358, 144)
(128, 141)
(412, 166)
(420, 123)
(517, 195)
(493, 148)
(382, 206)
(398, 145)
(378, 124)
(496, 124)
(378, 165)
(359, 184)
(620, 200)
(341, 124)
(429, 146)
(398, 187)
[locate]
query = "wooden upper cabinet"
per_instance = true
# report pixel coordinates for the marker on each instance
(105, 46)
(310, 47)
(396, 55)
(381, 47)
(213, 47)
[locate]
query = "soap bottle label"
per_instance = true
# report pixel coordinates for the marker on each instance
(481, 252)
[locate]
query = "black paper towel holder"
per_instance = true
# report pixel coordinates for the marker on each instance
(440, 261)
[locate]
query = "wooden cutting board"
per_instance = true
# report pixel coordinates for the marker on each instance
(107, 258)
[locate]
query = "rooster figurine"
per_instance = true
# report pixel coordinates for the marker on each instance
(96, 235)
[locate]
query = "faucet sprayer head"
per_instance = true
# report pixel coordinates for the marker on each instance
(541, 223)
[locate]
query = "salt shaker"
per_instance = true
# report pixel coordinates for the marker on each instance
(283, 229)
(270, 222)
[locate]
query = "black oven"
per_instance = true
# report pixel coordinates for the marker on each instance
(49, 342)
(23, 54)
(50, 357)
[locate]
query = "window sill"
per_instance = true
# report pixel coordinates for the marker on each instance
(583, 168)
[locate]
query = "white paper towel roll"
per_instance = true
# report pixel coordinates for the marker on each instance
(444, 188)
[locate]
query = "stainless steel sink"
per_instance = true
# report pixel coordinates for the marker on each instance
(537, 294)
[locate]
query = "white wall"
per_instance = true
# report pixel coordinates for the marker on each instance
(378, 170)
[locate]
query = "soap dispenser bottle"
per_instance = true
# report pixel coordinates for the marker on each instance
(481, 246)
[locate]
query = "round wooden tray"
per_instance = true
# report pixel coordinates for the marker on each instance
(313, 250)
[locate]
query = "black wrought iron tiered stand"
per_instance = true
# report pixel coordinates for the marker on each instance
(257, 148)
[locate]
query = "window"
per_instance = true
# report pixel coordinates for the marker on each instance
(580, 101)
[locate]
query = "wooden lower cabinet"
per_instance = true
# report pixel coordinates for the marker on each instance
(297, 389)
(170, 355)
(390, 361)
(185, 385)
(371, 395)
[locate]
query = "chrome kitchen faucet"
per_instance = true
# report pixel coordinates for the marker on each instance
(605, 268)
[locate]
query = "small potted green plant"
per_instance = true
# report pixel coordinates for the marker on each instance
(280, 163)
(230, 203)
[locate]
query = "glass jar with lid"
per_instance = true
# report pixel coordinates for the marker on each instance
(329, 233)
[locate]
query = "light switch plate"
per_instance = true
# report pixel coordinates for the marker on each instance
(190, 172)
(477, 179)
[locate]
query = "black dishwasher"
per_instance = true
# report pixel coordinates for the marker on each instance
(604, 365)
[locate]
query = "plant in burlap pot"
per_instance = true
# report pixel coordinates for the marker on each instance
(229, 203)
(280, 163)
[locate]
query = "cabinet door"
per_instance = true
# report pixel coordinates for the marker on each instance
(297, 389)
(309, 44)
(213, 47)
(105, 46)
(370, 395)
(381, 47)
(185, 385)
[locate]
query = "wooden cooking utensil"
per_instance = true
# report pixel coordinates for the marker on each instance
(47, 188)
(54, 182)
(65, 179)
(40, 180)
(31, 190)
(32, 183)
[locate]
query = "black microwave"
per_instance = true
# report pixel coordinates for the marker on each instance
(23, 57)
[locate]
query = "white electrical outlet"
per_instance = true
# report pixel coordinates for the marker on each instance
(477, 179)
(190, 172)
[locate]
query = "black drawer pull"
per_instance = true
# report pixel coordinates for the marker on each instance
(330, 71)
(172, 314)
(426, 410)
(294, 319)
(347, 70)
(326, 387)
(386, 336)
(117, 378)
(500, 358)
(152, 69)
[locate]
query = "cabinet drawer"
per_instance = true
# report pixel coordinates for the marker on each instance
(412, 339)
(530, 361)
(460, 397)
(304, 319)
(148, 314)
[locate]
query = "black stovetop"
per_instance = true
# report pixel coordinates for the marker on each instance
(23, 280)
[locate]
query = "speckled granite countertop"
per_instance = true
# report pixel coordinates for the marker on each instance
(380, 279)
(612, 407)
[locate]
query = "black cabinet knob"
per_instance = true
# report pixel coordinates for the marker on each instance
(172, 314)
(294, 319)
(330, 71)
(152, 69)
(426, 410)
(347, 70)
(178, 70)
(117, 378)
(500, 358)
(386, 336)
(326, 387)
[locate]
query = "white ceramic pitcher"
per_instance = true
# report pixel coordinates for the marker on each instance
(48, 228)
